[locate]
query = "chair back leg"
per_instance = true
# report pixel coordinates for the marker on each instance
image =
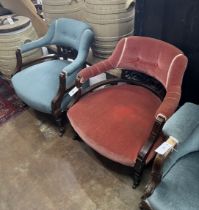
(60, 123)
(144, 206)
(137, 172)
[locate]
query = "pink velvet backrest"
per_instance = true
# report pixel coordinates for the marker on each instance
(156, 58)
(153, 57)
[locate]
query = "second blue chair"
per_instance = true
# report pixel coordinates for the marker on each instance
(174, 183)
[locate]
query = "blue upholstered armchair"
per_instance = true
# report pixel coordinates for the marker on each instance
(177, 180)
(44, 84)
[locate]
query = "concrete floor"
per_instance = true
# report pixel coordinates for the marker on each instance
(41, 171)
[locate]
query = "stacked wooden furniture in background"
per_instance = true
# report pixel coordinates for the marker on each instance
(111, 20)
(62, 8)
(26, 8)
(14, 31)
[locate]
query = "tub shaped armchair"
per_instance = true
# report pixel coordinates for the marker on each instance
(174, 184)
(44, 83)
(123, 121)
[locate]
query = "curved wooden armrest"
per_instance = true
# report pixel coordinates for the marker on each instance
(156, 174)
(46, 57)
(79, 84)
(113, 81)
(20, 63)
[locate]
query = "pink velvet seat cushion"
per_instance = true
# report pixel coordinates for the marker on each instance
(116, 121)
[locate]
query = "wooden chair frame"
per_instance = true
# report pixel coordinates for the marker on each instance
(156, 175)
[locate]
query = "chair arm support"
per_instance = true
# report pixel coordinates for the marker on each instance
(84, 75)
(156, 174)
(46, 57)
(156, 130)
(43, 41)
(20, 63)
(146, 148)
(144, 205)
(170, 103)
(76, 65)
(80, 61)
(77, 95)
(56, 103)
(94, 70)
(112, 81)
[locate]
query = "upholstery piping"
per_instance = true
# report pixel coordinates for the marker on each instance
(161, 115)
(170, 67)
(121, 56)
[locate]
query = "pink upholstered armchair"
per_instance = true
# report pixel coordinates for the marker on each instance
(123, 121)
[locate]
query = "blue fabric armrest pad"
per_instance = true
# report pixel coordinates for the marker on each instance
(33, 45)
(183, 122)
(85, 43)
(43, 41)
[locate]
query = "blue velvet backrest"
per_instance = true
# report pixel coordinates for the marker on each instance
(67, 32)
(63, 32)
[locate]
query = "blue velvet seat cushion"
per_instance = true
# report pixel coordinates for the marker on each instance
(179, 189)
(38, 85)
